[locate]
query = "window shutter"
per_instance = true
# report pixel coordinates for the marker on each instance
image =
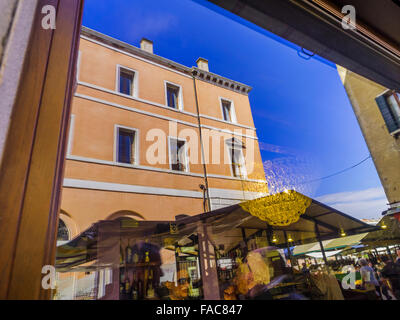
(387, 114)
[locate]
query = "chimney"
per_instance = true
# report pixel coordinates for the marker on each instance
(146, 45)
(202, 64)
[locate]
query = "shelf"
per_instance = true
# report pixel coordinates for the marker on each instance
(138, 265)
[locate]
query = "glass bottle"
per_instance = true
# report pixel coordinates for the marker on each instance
(128, 254)
(135, 289)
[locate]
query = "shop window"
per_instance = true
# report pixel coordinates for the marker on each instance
(228, 111)
(237, 162)
(174, 96)
(126, 82)
(389, 105)
(126, 145)
(178, 155)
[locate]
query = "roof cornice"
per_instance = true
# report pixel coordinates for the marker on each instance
(221, 81)
(194, 71)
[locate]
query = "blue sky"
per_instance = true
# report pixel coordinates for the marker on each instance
(299, 106)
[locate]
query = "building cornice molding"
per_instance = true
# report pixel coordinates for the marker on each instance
(221, 81)
(127, 188)
(126, 48)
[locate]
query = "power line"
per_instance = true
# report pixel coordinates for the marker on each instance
(337, 173)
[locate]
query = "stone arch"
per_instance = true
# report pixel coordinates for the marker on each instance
(126, 214)
(70, 224)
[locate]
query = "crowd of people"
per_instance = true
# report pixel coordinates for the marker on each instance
(381, 274)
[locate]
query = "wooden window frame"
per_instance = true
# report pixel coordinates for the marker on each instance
(32, 167)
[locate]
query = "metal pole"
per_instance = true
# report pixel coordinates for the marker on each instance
(269, 235)
(201, 143)
(320, 244)
(246, 249)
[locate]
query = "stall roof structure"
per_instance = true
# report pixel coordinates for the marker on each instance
(230, 221)
(228, 226)
(338, 243)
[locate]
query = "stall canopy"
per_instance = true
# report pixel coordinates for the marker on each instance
(229, 226)
(338, 243)
(318, 255)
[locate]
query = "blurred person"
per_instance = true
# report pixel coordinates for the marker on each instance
(305, 269)
(368, 278)
(398, 256)
(391, 273)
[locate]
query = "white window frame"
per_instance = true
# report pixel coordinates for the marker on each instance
(396, 113)
(136, 144)
(232, 110)
(180, 96)
(135, 91)
(71, 135)
(238, 145)
(78, 65)
(187, 168)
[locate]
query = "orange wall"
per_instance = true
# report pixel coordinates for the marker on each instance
(94, 138)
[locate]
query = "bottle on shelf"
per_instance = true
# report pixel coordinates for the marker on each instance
(121, 255)
(127, 287)
(128, 254)
(140, 288)
(135, 289)
(135, 254)
(150, 288)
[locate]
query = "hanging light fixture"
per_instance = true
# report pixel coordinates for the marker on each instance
(290, 239)
(281, 209)
(342, 233)
(274, 239)
(383, 226)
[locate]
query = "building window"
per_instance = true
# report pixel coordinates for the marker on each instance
(126, 151)
(178, 155)
(238, 167)
(174, 96)
(127, 81)
(228, 111)
(62, 231)
(389, 105)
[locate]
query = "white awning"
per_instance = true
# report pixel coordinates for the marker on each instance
(318, 255)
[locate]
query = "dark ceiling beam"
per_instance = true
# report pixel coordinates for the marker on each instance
(301, 23)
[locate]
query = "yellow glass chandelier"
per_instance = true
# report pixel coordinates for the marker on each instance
(281, 209)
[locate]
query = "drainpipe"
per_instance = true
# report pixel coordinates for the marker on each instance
(201, 142)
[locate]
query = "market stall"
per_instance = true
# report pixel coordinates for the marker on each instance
(230, 253)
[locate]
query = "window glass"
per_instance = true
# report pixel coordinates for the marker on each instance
(238, 167)
(62, 232)
(394, 103)
(173, 96)
(126, 146)
(226, 108)
(126, 82)
(178, 155)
